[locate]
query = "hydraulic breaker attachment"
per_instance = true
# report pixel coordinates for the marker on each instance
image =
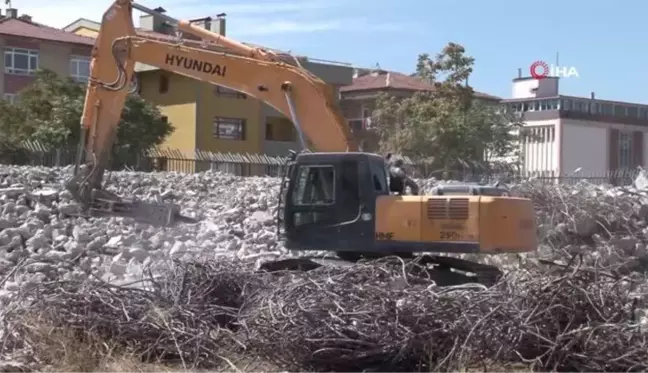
(99, 202)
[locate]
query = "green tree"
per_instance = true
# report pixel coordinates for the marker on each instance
(449, 125)
(52, 106)
(13, 132)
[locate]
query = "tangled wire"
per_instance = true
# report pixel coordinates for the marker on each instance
(189, 315)
(378, 318)
(585, 311)
(585, 209)
(375, 316)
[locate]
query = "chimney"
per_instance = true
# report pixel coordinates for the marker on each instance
(358, 72)
(593, 96)
(219, 26)
(12, 13)
(519, 73)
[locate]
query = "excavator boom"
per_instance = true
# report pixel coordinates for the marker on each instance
(259, 73)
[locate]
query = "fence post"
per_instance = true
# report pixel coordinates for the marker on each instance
(58, 157)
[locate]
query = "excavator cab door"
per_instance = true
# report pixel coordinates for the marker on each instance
(327, 205)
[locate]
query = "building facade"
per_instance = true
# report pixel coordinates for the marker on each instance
(577, 135)
(358, 100)
(29, 46)
(214, 118)
(84, 27)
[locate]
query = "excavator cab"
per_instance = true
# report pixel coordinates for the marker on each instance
(330, 201)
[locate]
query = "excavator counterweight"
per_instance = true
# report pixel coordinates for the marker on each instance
(335, 199)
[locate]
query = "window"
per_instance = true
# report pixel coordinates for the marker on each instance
(12, 98)
(350, 189)
(581, 106)
(619, 110)
(315, 186)
(540, 134)
(80, 68)
(163, 84)
(356, 125)
(595, 108)
(379, 177)
(625, 150)
(607, 109)
(21, 61)
(632, 111)
(567, 105)
(280, 129)
(229, 128)
(226, 92)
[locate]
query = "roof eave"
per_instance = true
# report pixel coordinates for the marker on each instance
(387, 89)
(46, 40)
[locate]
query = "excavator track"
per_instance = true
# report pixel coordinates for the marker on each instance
(443, 270)
(474, 272)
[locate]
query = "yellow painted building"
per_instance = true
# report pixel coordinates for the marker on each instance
(212, 118)
(83, 27)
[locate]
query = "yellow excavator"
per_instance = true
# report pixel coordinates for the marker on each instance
(336, 198)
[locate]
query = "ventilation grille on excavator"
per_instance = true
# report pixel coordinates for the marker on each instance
(448, 208)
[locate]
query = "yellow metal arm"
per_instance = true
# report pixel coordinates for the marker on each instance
(314, 101)
(293, 91)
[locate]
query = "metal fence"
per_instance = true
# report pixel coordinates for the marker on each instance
(616, 178)
(246, 164)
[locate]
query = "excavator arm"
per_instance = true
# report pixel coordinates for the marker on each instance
(259, 73)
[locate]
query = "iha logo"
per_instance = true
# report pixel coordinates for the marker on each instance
(541, 70)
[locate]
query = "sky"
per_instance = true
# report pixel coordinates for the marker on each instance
(600, 40)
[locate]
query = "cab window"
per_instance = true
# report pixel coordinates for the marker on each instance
(315, 185)
(379, 177)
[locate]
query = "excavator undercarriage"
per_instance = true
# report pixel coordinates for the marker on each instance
(443, 270)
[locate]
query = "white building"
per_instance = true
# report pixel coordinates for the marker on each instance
(595, 136)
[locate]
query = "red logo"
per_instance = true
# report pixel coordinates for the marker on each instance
(539, 70)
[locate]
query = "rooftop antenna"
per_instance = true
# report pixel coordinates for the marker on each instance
(8, 3)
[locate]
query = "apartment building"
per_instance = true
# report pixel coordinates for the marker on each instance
(569, 133)
(359, 98)
(214, 118)
(29, 46)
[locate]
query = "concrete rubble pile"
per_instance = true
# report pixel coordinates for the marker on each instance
(602, 228)
(236, 218)
(606, 226)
